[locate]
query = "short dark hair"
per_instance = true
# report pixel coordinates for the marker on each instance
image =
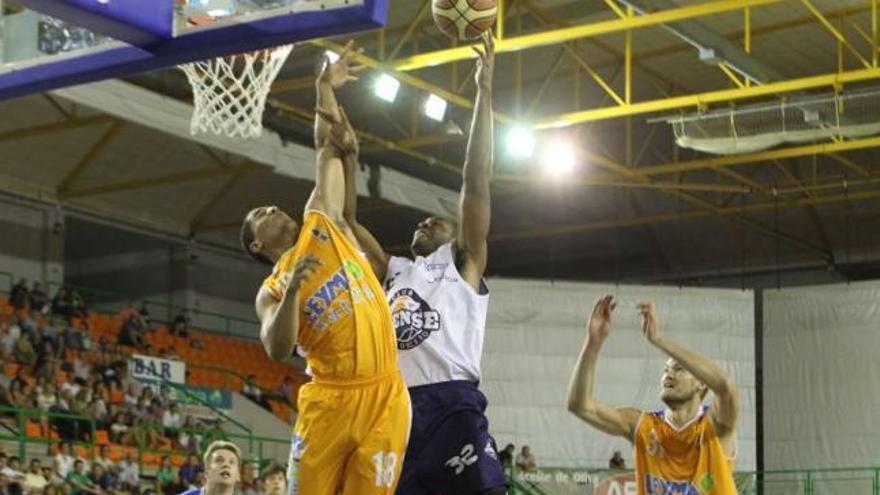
(273, 469)
(247, 237)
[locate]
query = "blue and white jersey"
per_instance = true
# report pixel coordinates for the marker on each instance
(439, 318)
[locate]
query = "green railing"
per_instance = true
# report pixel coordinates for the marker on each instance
(229, 375)
(23, 415)
(829, 481)
(162, 312)
(106, 301)
(253, 447)
(184, 391)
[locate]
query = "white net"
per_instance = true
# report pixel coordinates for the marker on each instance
(229, 93)
(757, 128)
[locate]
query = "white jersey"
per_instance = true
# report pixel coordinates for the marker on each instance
(439, 318)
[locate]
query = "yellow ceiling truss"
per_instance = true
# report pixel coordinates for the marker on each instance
(619, 101)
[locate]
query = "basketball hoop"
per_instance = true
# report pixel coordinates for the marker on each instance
(229, 93)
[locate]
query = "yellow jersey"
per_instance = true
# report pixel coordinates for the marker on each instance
(344, 323)
(681, 461)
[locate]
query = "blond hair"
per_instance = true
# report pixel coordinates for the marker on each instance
(221, 445)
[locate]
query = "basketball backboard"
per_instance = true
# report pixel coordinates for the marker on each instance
(47, 44)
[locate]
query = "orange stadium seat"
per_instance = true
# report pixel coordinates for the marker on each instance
(115, 452)
(82, 451)
(33, 430)
(102, 438)
(10, 369)
(149, 459)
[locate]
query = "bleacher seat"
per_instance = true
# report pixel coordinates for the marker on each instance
(239, 358)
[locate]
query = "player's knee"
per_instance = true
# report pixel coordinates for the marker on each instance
(498, 490)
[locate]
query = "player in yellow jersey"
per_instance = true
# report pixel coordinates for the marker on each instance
(685, 449)
(322, 296)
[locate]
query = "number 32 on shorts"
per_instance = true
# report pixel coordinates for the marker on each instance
(385, 463)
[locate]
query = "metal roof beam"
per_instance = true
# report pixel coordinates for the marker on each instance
(75, 123)
(164, 180)
(699, 36)
(779, 154)
(701, 100)
(677, 216)
(557, 36)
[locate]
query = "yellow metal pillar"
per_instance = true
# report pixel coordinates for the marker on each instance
(409, 31)
(613, 6)
(381, 42)
(732, 76)
(628, 60)
(547, 80)
(874, 31)
(834, 31)
(556, 36)
(518, 83)
(747, 36)
(596, 77)
(703, 99)
(628, 53)
(499, 21)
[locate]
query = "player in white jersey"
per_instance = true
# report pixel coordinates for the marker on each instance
(439, 303)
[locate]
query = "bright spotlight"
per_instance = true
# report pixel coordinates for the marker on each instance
(386, 87)
(558, 159)
(520, 142)
(331, 56)
(217, 13)
(435, 108)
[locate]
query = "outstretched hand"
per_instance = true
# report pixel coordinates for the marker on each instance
(599, 326)
(650, 321)
(340, 72)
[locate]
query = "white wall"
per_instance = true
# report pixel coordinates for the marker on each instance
(263, 424)
(822, 376)
(210, 283)
(28, 247)
(535, 333)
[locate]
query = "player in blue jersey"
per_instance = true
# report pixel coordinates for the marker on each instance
(222, 469)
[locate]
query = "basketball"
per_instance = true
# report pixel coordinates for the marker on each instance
(464, 19)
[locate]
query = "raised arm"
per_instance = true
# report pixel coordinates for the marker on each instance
(725, 408)
(618, 421)
(329, 194)
(475, 205)
(375, 254)
(279, 320)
